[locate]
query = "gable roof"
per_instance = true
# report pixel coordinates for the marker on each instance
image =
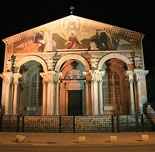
(82, 26)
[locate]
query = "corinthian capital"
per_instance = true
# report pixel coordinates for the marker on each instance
(87, 75)
(130, 74)
(7, 76)
(16, 77)
(57, 77)
(48, 76)
(140, 74)
(97, 75)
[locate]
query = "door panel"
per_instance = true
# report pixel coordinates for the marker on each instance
(75, 103)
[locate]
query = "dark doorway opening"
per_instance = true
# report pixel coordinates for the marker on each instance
(75, 103)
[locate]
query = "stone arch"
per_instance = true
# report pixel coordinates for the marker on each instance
(31, 58)
(117, 56)
(72, 57)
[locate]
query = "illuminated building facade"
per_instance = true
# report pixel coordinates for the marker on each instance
(74, 66)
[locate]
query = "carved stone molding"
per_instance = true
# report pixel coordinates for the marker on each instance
(57, 77)
(51, 76)
(16, 77)
(131, 76)
(87, 75)
(7, 77)
(140, 74)
(97, 75)
(50, 63)
(48, 76)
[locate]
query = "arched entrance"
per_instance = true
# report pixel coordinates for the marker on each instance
(115, 56)
(30, 85)
(65, 58)
(72, 83)
(115, 87)
(30, 89)
(31, 58)
(72, 88)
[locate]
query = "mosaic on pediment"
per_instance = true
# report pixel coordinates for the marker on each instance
(74, 33)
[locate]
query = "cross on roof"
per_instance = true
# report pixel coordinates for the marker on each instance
(72, 8)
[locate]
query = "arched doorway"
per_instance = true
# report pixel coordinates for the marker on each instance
(115, 88)
(30, 89)
(72, 88)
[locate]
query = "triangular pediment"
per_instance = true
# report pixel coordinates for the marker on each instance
(73, 32)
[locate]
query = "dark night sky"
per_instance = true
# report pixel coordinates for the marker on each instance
(18, 16)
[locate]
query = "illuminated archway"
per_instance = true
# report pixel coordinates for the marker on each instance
(31, 58)
(116, 56)
(72, 57)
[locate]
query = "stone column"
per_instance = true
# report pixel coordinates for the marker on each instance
(16, 77)
(50, 93)
(141, 87)
(44, 93)
(7, 80)
(88, 103)
(132, 96)
(88, 100)
(44, 108)
(97, 101)
(94, 97)
(101, 97)
(57, 77)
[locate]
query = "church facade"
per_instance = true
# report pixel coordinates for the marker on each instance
(74, 66)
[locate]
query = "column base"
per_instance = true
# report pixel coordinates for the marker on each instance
(101, 114)
(50, 115)
(95, 114)
(15, 114)
(57, 114)
(87, 115)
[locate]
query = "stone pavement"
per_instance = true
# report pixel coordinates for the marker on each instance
(73, 138)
